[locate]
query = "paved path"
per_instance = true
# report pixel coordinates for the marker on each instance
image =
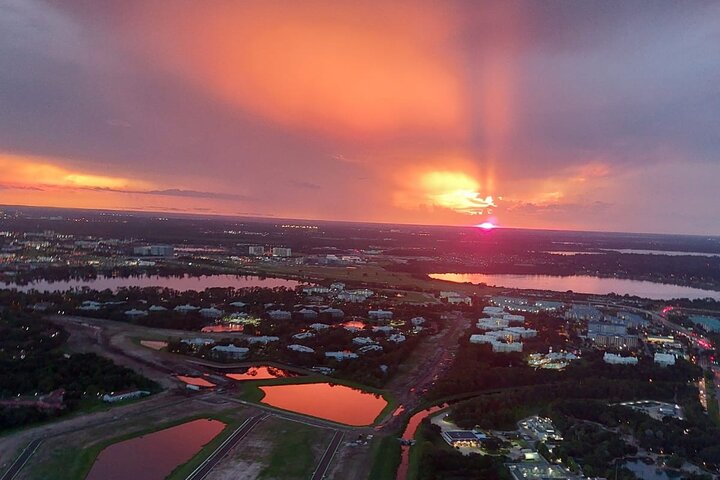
(241, 432)
(21, 460)
(327, 457)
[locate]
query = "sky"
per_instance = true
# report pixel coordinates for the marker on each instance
(541, 114)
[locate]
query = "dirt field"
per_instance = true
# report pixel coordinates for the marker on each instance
(276, 449)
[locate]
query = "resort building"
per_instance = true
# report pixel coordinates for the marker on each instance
(619, 360)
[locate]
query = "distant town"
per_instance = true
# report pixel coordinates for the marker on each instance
(296, 349)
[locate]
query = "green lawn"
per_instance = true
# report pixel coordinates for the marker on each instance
(74, 462)
(386, 458)
(292, 454)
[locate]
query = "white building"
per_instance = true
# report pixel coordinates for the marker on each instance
(211, 312)
(303, 335)
(264, 339)
(334, 313)
(493, 311)
(307, 313)
(459, 300)
(370, 348)
(619, 359)
(157, 308)
(281, 252)
(491, 323)
(664, 359)
(396, 338)
(186, 308)
(319, 326)
(280, 314)
(300, 348)
(380, 314)
(197, 341)
(417, 321)
(126, 395)
(135, 313)
(256, 250)
(340, 356)
(363, 341)
(231, 351)
(154, 251)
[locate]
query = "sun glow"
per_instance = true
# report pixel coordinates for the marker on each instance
(456, 191)
(487, 226)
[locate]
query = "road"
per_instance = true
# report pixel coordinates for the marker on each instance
(327, 457)
(242, 431)
(20, 462)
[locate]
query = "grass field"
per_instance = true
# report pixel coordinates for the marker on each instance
(73, 462)
(296, 451)
(385, 456)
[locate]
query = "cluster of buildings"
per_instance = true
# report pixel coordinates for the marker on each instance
(502, 331)
(262, 251)
(337, 291)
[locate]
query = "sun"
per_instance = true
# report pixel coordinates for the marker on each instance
(487, 226)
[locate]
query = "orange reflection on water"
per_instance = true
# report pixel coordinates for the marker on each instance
(261, 373)
(200, 382)
(337, 403)
(156, 455)
(409, 434)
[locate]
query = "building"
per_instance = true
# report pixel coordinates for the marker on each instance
(303, 335)
(619, 359)
(460, 300)
(380, 314)
(113, 397)
(340, 356)
(319, 326)
(664, 359)
(135, 313)
(491, 323)
(620, 342)
(230, 351)
(300, 348)
(264, 339)
(583, 312)
(197, 341)
(493, 311)
(463, 438)
(335, 313)
(604, 328)
(369, 348)
(308, 314)
(256, 250)
(280, 315)
(154, 251)
(281, 252)
(363, 341)
(396, 338)
(186, 308)
(211, 312)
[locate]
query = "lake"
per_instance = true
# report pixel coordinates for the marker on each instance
(337, 403)
(260, 372)
(155, 455)
(581, 284)
(180, 283)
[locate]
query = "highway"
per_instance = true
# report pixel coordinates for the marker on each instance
(241, 432)
(327, 457)
(20, 462)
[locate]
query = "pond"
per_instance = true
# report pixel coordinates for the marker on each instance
(261, 372)
(180, 283)
(581, 284)
(155, 455)
(337, 403)
(197, 381)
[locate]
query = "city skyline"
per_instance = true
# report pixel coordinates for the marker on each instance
(586, 116)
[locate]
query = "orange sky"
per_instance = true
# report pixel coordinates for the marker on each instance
(420, 112)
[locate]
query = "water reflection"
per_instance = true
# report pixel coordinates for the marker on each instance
(180, 283)
(581, 284)
(197, 381)
(337, 403)
(409, 434)
(261, 373)
(156, 455)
